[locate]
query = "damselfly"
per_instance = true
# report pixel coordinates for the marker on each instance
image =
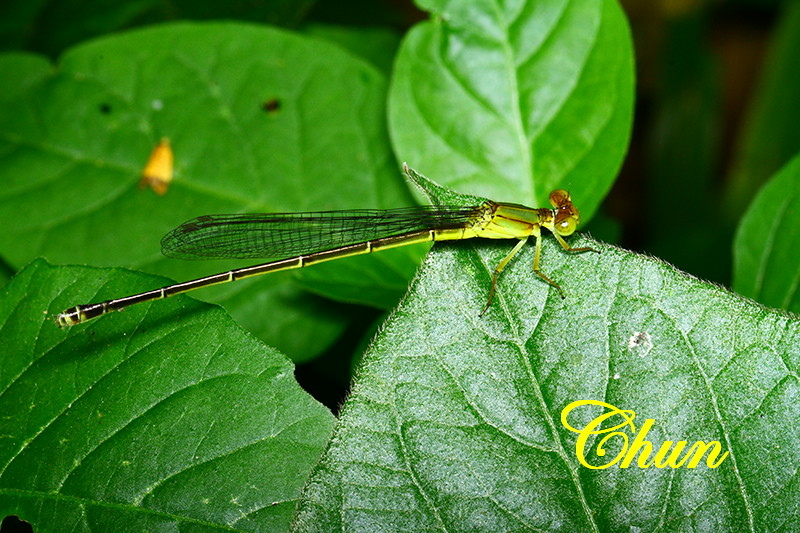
(296, 240)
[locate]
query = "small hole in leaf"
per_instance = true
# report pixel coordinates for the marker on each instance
(105, 109)
(271, 106)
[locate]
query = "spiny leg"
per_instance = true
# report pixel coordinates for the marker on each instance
(537, 254)
(499, 268)
(565, 245)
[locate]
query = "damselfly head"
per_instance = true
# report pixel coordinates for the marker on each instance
(560, 197)
(565, 215)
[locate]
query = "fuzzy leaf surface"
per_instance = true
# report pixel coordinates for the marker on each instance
(454, 423)
(139, 421)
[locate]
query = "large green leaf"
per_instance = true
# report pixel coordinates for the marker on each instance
(765, 252)
(454, 422)
(144, 422)
(512, 100)
(454, 419)
(74, 139)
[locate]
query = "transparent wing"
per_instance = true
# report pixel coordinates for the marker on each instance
(282, 235)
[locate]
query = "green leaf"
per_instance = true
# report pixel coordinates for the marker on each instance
(770, 138)
(382, 278)
(454, 423)
(510, 101)
(74, 140)
(766, 264)
(383, 281)
(138, 422)
(22, 71)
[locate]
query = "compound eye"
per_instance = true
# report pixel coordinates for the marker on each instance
(566, 226)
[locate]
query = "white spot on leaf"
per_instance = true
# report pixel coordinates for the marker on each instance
(640, 343)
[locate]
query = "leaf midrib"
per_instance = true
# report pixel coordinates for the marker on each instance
(83, 503)
(525, 356)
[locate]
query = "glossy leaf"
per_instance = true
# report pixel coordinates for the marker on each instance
(140, 421)
(510, 101)
(765, 252)
(375, 280)
(259, 120)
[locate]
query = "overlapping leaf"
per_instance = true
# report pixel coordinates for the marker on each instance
(259, 120)
(512, 100)
(765, 252)
(454, 424)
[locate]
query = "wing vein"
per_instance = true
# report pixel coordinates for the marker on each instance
(283, 235)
